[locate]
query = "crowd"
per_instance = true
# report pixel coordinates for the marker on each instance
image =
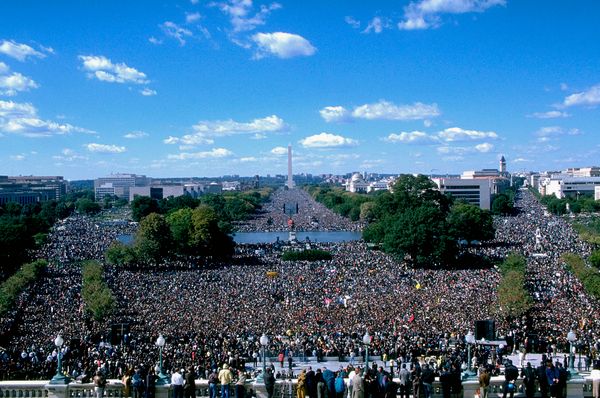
(297, 204)
(215, 314)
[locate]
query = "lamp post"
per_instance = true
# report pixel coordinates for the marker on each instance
(469, 340)
(366, 341)
(59, 377)
(572, 337)
(162, 377)
(264, 342)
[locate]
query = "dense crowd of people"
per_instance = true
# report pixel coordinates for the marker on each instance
(215, 314)
(297, 204)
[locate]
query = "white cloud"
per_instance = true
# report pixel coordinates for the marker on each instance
(352, 22)
(154, 40)
(12, 83)
(248, 159)
(269, 124)
(282, 45)
(192, 17)
(549, 115)
(327, 140)
(590, 96)
(176, 32)
(103, 69)
(146, 92)
(213, 153)
(20, 51)
(135, 134)
(522, 160)
(376, 25)
(335, 114)
(104, 148)
(389, 111)
(456, 134)
(413, 137)
(242, 16)
(549, 133)
(424, 14)
(17, 157)
(189, 140)
(484, 147)
(279, 151)
(69, 155)
(22, 119)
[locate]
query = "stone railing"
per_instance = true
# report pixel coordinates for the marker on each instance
(577, 388)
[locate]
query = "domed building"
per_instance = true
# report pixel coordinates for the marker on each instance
(357, 184)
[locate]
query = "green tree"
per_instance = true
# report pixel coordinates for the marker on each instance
(470, 222)
(594, 258)
(98, 299)
(120, 255)
(141, 206)
(502, 204)
(87, 206)
(180, 223)
(207, 237)
(153, 240)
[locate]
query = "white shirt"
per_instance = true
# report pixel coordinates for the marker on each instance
(176, 379)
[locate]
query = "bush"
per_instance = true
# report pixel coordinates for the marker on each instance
(513, 298)
(13, 286)
(589, 277)
(306, 255)
(97, 297)
(120, 255)
(594, 258)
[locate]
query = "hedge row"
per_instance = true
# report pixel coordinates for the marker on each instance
(97, 296)
(306, 255)
(589, 276)
(513, 298)
(13, 286)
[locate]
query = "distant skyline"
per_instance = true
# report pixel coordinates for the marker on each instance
(216, 87)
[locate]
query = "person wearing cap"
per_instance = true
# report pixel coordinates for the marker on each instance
(225, 378)
(177, 384)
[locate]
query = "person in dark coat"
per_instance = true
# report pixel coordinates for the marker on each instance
(511, 373)
(189, 387)
(151, 384)
(269, 383)
(540, 375)
(311, 383)
(529, 375)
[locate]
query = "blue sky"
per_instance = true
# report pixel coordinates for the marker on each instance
(207, 88)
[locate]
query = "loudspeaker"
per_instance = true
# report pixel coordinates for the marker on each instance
(117, 332)
(485, 329)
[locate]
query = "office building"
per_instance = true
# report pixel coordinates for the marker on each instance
(476, 191)
(31, 189)
(118, 185)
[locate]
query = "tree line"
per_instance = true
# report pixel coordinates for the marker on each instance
(513, 298)
(25, 227)
(13, 286)
(413, 221)
(185, 226)
(98, 299)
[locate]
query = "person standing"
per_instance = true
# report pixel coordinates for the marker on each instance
(540, 375)
(269, 381)
(528, 374)
(151, 383)
(301, 387)
(595, 376)
(404, 376)
(189, 387)
(137, 381)
(126, 380)
(99, 384)
(240, 385)
(511, 373)
(427, 377)
(484, 383)
(340, 386)
(177, 384)
(225, 378)
(213, 379)
(358, 385)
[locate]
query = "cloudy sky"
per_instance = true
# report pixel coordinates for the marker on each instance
(214, 87)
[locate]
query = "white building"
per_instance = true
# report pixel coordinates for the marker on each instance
(119, 184)
(583, 171)
(357, 184)
(597, 192)
(561, 185)
(476, 191)
(164, 191)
